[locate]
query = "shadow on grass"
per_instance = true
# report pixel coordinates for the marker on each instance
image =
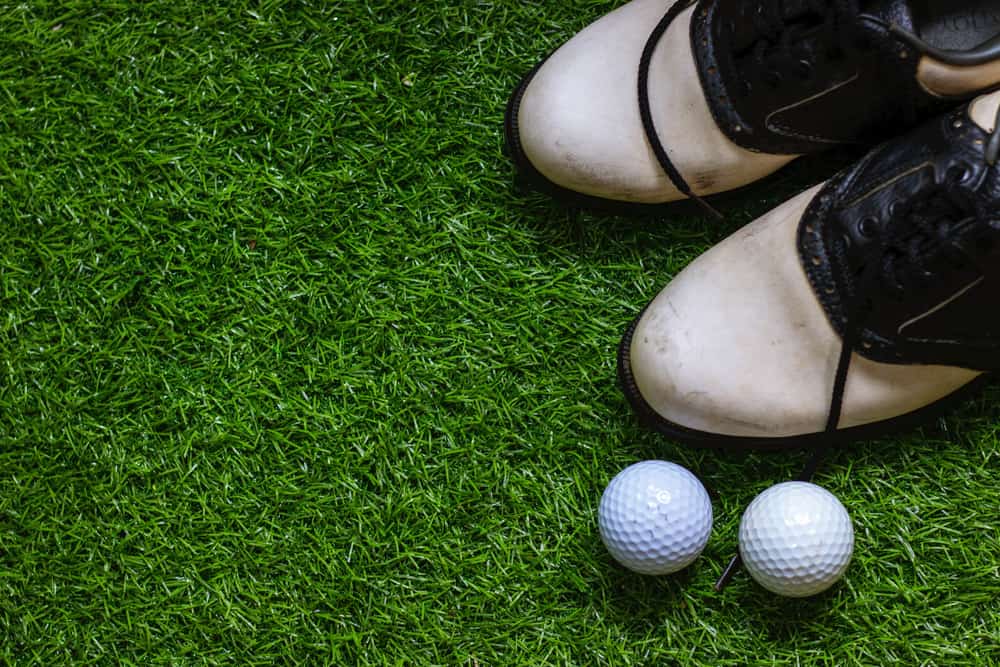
(785, 619)
(738, 476)
(643, 602)
(759, 469)
(631, 597)
(562, 228)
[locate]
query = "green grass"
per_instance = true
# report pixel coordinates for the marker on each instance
(292, 373)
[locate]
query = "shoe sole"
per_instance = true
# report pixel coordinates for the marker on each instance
(705, 439)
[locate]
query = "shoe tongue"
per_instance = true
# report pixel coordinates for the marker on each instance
(799, 13)
(890, 11)
(897, 12)
(804, 13)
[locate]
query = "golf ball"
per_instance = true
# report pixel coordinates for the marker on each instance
(655, 517)
(796, 539)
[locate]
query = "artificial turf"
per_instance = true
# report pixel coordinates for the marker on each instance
(292, 372)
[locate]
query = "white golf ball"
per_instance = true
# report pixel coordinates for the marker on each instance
(796, 539)
(655, 517)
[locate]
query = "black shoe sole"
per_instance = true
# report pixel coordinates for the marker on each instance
(704, 439)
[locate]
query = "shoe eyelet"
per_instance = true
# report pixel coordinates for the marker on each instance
(958, 173)
(804, 69)
(868, 227)
(773, 78)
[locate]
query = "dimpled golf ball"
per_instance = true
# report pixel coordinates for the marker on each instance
(655, 517)
(796, 539)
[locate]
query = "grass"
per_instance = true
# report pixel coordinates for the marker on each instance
(293, 374)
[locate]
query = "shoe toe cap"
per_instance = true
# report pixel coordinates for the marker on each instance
(577, 118)
(686, 375)
(579, 127)
(738, 345)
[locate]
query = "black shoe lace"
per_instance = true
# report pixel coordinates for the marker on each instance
(993, 147)
(777, 48)
(920, 230)
(646, 114)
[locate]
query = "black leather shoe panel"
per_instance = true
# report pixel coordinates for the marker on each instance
(823, 79)
(904, 249)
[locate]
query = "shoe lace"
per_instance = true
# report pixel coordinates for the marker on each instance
(775, 42)
(920, 231)
(993, 147)
(933, 217)
(927, 227)
(936, 223)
